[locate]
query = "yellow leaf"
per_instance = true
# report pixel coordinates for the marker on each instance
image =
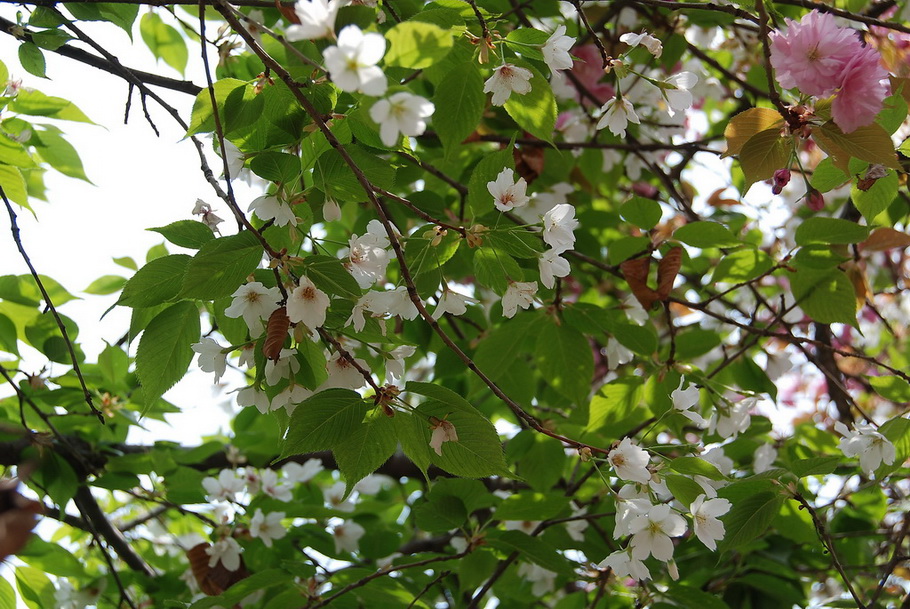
(870, 143)
(746, 124)
(763, 154)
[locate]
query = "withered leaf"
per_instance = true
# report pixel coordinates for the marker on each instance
(213, 580)
(276, 332)
(635, 272)
(667, 269)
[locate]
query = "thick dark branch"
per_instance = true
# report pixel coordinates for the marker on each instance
(183, 86)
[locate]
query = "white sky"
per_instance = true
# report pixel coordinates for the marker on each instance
(140, 181)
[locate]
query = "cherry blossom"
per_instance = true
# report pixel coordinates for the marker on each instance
(559, 225)
(679, 98)
(451, 302)
(347, 536)
(212, 357)
(352, 62)
(252, 396)
(708, 528)
(556, 50)
(763, 458)
(224, 487)
(289, 398)
(651, 533)
(402, 113)
(865, 442)
(274, 488)
(734, 420)
(298, 474)
(270, 207)
(506, 192)
(630, 504)
(624, 564)
(862, 90)
(443, 431)
(394, 367)
(518, 294)
(644, 39)
(367, 257)
(254, 302)
(617, 113)
(685, 399)
(227, 551)
(630, 462)
(317, 20)
(551, 265)
(331, 211)
(542, 579)
(284, 367)
(343, 374)
(505, 80)
(334, 497)
(617, 354)
(267, 528)
(307, 304)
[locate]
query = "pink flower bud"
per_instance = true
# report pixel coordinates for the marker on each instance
(815, 200)
(781, 178)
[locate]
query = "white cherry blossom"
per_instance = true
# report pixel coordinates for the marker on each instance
(685, 399)
(525, 526)
(254, 302)
(298, 474)
(367, 256)
(734, 421)
(307, 304)
(226, 550)
(334, 498)
(394, 367)
(267, 528)
(284, 367)
(634, 311)
(252, 396)
(616, 115)
(443, 431)
(708, 528)
(630, 462)
(542, 579)
(224, 487)
(865, 442)
(273, 487)
(451, 302)
(270, 207)
(343, 374)
(679, 99)
(347, 536)
(331, 211)
(506, 192)
(352, 62)
(403, 113)
(651, 533)
(556, 50)
(551, 265)
(624, 564)
(518, 294)
(644, 39)
(630, 504)
(212, 357)
(617, 354)
(505, 80)
(396, 303)
(317, 20)
(763, 458)
(559, 226)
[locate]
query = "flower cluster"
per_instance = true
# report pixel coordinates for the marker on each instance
(821, 59)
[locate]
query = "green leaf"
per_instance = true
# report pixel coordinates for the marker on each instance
(706, 234)
(59, 153)
(535, 112)
(530, 548)
(643, 213)
(684, 488)
(36, 103)
(417, 45)
(897, 430)
(32, 59)
(202, 119)
(121, 15)
(827, 177)
(639, 339)
(825, 296)
(333, 176)
(278, 167)
(690, 597)
(414, 442)
(263, 580)
(870, 143)
(763, 154)
(164, 351)
(746, 124)
(364, 450)
(615, 403)
(459, 102)
(527, 42)
(749, 519)
(108, 284)
(35, 588)
(693, 466)
(51, 39)
(51, 558)
(891, 387)
(877, 198)
(14, 185)
(744, 265)
(495, 269)
(830, 230)
(8, 341)
(157, 282)
(479, 198)
(323, 421)
(14, 153)
(7, 595)
(330, 275)
(440, 513)
(191, 234)
(221, 266)
(815, 466)
(478, 451)
(164, 41)
(531, 506)
(565, 360)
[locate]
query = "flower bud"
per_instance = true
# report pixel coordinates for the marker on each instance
(781, 178)
(331, 211)
(815, 200)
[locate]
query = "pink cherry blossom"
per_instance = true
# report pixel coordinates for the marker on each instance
(862, 90)
(812, 53)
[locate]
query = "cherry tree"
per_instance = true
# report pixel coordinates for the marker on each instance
(455, 378)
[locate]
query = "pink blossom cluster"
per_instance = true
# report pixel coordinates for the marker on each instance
(821, 59)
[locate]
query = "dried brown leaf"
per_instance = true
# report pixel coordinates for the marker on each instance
(18, 516)
(529, 162)
(885, 238)
(276, 332)
(213, 580)
(635, 272)
(667, 269)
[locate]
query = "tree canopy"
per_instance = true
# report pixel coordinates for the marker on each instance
(537, 304)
